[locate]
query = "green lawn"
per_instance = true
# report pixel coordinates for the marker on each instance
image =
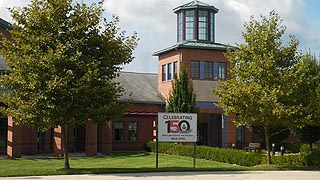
(118, 162)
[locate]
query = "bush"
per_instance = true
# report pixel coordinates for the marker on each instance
(290, 160)
(204, 152)
(313, 158)
(305, 148)
(303, 159)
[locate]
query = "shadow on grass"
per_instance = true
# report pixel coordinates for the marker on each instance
(145, 170)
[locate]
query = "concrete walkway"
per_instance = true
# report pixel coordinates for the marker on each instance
(238, 175)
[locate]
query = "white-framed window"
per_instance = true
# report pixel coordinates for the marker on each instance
(222, 71)
(164, 72)
(170, 76)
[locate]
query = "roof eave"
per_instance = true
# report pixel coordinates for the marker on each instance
(157, 53)
(177, 9)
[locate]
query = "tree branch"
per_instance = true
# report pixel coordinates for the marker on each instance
(278, 132)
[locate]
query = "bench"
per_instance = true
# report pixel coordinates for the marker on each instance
(253, 146)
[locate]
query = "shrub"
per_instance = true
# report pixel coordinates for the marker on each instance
(313, 158)
(302, 159)
(204, 152)
(290, 160)
(305, 148)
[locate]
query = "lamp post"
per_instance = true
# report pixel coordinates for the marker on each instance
(281, 150)
(233, 146)
(273, 149)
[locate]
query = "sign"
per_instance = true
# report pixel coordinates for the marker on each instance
(177, 127)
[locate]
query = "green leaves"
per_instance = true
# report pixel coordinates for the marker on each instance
(264, 76)
(63, 59)
(182, 99)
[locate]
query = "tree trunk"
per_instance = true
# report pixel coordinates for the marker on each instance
(65, 147)
(310, 145)
(267, 136)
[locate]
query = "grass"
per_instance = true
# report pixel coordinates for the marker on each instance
(116, 163)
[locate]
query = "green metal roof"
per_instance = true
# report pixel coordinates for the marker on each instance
(196, 5)
(195, 45)
(5, 25)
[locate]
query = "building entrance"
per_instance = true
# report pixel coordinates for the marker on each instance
(216, 125)
(3, 134)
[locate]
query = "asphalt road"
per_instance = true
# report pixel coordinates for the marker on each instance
(237, 175)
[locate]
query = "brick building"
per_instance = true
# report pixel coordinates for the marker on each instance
(205, 62)
(204, 59)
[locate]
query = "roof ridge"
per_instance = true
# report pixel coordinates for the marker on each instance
(131, 72)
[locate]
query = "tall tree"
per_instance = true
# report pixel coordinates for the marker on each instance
(308, 95)
(63, 60)
(264, 76)
(182, 98)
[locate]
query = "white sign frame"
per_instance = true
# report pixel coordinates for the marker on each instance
(177, 127)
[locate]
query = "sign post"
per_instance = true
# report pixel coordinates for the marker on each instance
(177, 127)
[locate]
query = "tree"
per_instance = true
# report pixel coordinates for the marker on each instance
(308, 95)
(182, 98)
(63, 60)
(264, 77)
(277, 134)
(307, 134)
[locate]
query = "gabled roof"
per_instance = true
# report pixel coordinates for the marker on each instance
(140, 87)
(5, 25)
(195, 4)
(195, 45)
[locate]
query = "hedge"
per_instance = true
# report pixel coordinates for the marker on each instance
(210, 153)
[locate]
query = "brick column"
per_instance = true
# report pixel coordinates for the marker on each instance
(106, 146)
(57, 136)
(91, 138)
(14, 140)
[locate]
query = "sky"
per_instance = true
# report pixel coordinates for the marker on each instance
(155, 22)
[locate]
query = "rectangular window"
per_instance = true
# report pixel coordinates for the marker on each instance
(203, 25)
(164, 72)
(222, 71)
(133, 131)
(179, 27)
(119, 131)
(175, 68)
(239, 134)
(211, 27)
(208, 70)
(170, 71)
(189, 25)
(195, 69)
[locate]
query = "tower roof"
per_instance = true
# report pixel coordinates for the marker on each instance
(195, 4)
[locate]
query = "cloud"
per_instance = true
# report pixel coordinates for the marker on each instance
(5, 4)
(155, 22)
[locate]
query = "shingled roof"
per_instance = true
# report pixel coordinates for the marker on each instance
(143, 87)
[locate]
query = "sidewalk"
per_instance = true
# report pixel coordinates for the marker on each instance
(227, 175)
